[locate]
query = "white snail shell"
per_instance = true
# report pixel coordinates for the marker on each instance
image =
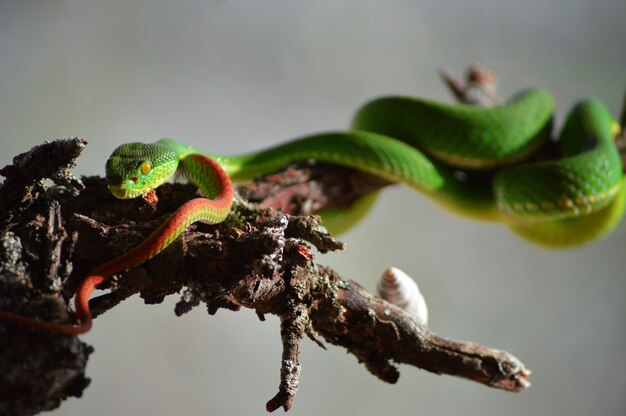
(399, 289)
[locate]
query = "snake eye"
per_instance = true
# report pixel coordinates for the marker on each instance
(145, 168)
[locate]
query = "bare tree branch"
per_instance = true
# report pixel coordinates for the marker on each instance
(259, 258)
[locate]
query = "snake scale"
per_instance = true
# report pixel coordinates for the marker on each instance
(438, 149)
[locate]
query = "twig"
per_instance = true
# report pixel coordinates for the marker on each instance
(292, 328)
(479, 87)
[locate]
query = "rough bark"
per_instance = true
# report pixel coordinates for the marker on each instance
(259, 258)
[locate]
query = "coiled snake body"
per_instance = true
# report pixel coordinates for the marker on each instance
(575, 198)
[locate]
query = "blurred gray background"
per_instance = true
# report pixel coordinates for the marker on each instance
(235, 75)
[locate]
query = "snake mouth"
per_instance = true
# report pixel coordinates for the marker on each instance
(125, 193)
(127, 189)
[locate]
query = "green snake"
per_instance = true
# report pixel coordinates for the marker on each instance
(478, 162)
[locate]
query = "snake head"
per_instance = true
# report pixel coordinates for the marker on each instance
(134, 169)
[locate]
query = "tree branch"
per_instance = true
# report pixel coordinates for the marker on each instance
(259, 258)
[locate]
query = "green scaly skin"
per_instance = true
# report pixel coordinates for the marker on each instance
(589, 184)
(421, 143)
(571, 200)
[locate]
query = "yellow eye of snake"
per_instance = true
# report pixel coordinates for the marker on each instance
(145, 168)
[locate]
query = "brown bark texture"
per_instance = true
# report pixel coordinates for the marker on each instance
(55, 228)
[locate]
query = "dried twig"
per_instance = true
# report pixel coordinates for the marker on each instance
(479, 87)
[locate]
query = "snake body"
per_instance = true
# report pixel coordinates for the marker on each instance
(424, 144)
(430, 146)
